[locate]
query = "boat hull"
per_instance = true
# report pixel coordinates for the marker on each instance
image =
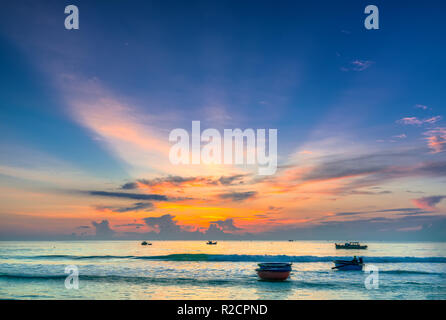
(273, 275)
(351, 247)
(348, 265)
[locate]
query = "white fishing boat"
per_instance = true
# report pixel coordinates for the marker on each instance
(350, 245)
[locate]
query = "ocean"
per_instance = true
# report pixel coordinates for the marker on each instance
(194, 270)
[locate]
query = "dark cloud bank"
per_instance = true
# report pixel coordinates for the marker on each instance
(410, 225)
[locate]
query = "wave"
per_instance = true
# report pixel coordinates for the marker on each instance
(244, 281)
(286, 258)
(128, 279)
(408, 272)
(243, 258)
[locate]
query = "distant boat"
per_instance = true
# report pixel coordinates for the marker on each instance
(211, 242)
(347, 265)
(277, 271)
(290, 240)
(350, 245)
(145, 243)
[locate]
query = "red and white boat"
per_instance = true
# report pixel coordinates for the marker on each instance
(278, 271)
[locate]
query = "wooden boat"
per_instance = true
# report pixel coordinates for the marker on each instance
(274, 271)
(348, 265)
(211, 242)
(350, 245)
(145, 243)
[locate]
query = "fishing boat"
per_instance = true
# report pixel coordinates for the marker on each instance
(211, 242)
(350, 245)
(145, 243)
(275, 271)
(349, 265)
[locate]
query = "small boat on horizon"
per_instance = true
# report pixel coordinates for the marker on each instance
(211, 242)
(274, 271)
(350, 245)
(145, 243)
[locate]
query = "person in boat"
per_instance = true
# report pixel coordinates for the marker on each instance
(355, 260)
(360, 260)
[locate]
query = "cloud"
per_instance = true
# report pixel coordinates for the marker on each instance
(399, 211)
(165, 225)
(228, 180)
(238, 196)
(133, 196)
(103, 229)
(436, 139)
(352, 213)
(179, 181)
(428, 203)
(129, 186)
(146, 206)
(367, 229)
(350, 174)
(123, 129)
(357, 65)
(420, 106)
(418, 122)
(227, 225)
(342, 168)
(83, 227)
(135, 225)
(361, 65)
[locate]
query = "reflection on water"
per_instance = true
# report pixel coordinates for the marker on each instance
(194, 270)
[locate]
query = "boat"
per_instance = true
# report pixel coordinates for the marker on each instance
(349, 265)
(211, 242)
(274, 271)
(350, 245)
(145, 243)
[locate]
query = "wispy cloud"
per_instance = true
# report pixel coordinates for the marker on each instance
(428, 203)
(180, 181)
(357, 65)
(421, 106)
(238, 196)
(436, 139)
(361, 65)
(133, 196)
(139, 206)
(419, 122)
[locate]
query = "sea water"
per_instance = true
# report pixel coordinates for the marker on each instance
(194, 270)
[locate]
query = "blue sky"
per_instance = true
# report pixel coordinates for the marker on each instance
(91, 109)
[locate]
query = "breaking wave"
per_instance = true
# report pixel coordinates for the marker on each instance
(242, 258)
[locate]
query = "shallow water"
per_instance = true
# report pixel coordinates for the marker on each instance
(194, 270)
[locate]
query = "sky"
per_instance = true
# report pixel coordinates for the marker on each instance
(85, 117)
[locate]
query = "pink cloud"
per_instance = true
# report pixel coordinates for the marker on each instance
(436, 139)
(418, 122)
(428, 203)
